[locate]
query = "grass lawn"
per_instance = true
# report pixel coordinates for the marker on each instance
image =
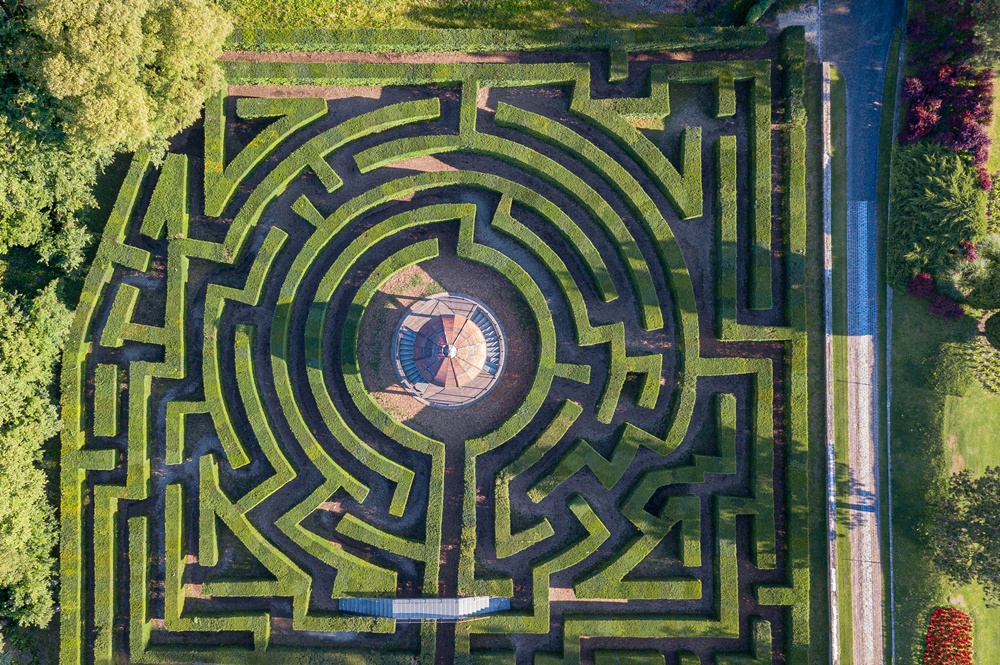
(838, 124)
(509, 14)
(994, 164)
(933, 434)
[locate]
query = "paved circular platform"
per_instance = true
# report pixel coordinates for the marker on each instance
(449, 350)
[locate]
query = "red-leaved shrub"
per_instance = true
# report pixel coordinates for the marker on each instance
(985, 179)
(950, 102)
(946, 308)
(949, 638)
(969, 251)
(921, 285)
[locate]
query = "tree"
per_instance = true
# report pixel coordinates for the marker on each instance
(966, 533)
(31, 337)
(936, 204)
(81, 80)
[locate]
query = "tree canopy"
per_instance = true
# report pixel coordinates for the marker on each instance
(31, 337)
(987, 16)
(966, 533)
(81, 80)
(936, 204)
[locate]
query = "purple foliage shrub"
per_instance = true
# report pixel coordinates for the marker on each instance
(950, 101)
(921, 286)
(946, 308)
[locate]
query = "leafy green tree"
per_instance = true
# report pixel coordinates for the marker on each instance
(966, 532)
(81, 80)
(31, 337)
(936, 204)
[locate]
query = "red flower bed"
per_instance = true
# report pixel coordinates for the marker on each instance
(949, 638)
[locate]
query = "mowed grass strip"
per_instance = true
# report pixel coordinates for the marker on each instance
(500, 14)
(838, 207)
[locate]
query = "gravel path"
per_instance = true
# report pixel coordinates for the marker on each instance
(855, 36)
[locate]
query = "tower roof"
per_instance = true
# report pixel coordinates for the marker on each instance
(450, 350)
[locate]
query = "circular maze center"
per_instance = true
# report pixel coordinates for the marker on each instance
(449, 350)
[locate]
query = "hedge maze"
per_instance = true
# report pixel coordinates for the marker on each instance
(229, 473)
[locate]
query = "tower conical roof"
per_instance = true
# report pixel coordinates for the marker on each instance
(450, 350)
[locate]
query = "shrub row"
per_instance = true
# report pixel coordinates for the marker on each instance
(221, 180)
(506, 542)
(106, 389)
(722, 75)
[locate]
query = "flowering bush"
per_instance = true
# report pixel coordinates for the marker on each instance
(949, 638)
(946, 308)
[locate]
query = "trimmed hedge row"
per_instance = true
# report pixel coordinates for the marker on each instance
(106, 390)
(724, 76)
(170, 193)
(168, 206)
(354, 574)
(796, 592)
(484, 41)
(608, 580)
(760, 188)
(216, 297)
(312, 154)
(314, 338)
(506, 542)
(75, 461)
(537, 620)
(560, 136)
(221, 180)
(587, 334)
(800, 313)
(726, 283)
(725, 624)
